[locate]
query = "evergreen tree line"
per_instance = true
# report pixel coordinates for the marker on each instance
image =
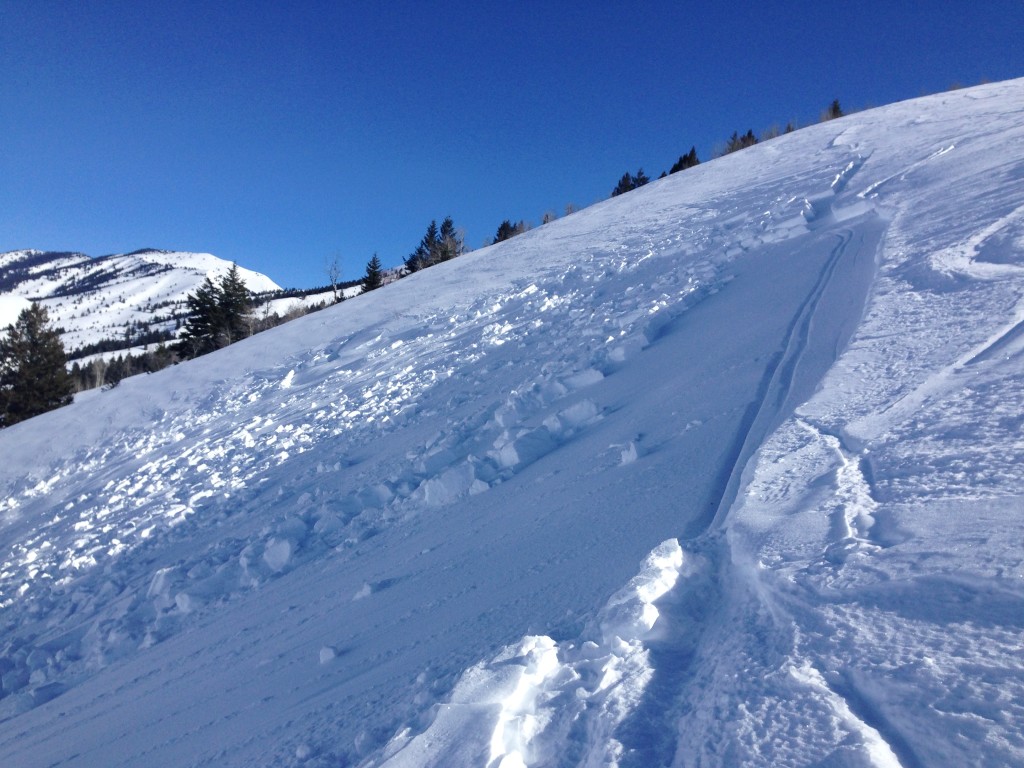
(438, 244)
(33, 364)
(736, 142)
(223, 312)
(140, 338)
(508, 230)
(34, 377)
(109, 373)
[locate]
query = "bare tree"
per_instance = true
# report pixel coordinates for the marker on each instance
(334, 276)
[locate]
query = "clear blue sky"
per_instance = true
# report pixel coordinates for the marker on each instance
(280, 135)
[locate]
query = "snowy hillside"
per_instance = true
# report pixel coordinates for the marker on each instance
(728, 470)
(96, 299)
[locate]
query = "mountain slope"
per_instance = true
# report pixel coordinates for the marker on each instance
(97, 299)
(726, 470)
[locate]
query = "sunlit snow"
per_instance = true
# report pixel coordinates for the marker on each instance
(727, 470)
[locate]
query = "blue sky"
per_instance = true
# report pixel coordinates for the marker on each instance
(284, 135)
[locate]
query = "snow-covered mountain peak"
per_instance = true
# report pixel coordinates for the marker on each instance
(726, 470)
(100, 299)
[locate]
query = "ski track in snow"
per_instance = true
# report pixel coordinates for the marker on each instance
(827, 606)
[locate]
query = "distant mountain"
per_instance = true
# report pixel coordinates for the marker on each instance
(119, 298)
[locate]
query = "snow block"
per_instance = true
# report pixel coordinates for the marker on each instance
(277, 554)
(630, 613)
(524, 449)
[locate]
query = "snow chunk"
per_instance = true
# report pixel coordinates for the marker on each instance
(277, 554)
(630, 613)
(364, 591)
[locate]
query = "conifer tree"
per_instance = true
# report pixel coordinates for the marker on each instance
(505, 230)
(201, 333)
(625, 185)
(436, 246)
(219, 314)
(508, 230)
(449, 242)
(423, 256)
(629, 182)
(737, 142)
(33, 372)
(374, 277)
(235, 307)
(689, 160)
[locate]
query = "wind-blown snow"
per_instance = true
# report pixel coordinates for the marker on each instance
(724, 471)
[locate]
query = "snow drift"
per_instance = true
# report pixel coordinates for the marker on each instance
(724, 471)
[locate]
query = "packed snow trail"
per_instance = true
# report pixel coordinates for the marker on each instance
(397, 531)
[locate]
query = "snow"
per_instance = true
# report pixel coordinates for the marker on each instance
(307, 302)
(10, 307)
(95, 300)
(725, 471)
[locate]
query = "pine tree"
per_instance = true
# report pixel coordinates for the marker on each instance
(505, 230)
(219, 314)
(374, 277)
(628, 182)
(689, 160)
(449, 242)
(737, 142)
(33, 368)
(436, 246)
(425, 252)
(117, 369)
(625, 185)
(834, 110)
(508, 230)
(235, 306)
(201, 333)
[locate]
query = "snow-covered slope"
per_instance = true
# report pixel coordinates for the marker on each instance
(10, 307)
(724, 471)
(98, 299)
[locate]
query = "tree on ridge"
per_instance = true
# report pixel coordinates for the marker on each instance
(33, 368)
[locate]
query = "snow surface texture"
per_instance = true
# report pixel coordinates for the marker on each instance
(406, 530)
(97, 299)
